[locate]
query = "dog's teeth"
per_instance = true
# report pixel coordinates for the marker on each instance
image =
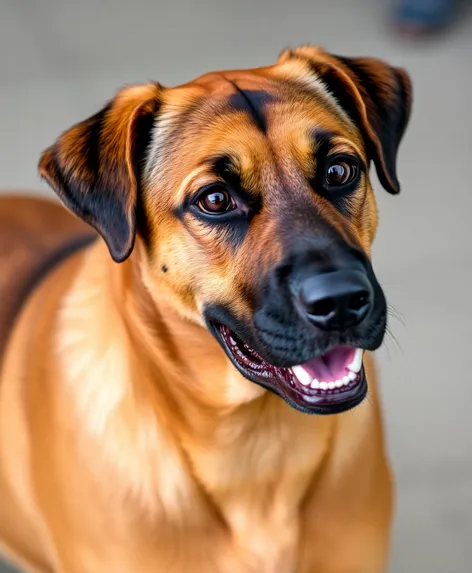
(356, 363)
(323, 385)
(315, 384)
(338, 383)
(352, 376)
(331, 385)
(302, 375)
(346, 379)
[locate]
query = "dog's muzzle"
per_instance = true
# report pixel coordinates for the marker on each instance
(316, 316)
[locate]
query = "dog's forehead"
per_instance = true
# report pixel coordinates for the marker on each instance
(229, 86)
(274, 94)
(242, 113)
(218, 93)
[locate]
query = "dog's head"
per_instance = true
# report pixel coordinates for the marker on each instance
(250, 192)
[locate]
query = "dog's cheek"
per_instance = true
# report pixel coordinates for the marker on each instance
(189, 277)
(224, 287)
(368, 221)
(173, 296)
(360, 217)
(166, 272)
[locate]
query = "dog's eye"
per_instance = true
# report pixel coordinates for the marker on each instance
(215, 201)
(340, 172)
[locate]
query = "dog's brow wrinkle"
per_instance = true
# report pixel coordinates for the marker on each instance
(253, 102)
(225, 168)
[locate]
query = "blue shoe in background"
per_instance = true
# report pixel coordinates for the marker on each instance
(423, 16)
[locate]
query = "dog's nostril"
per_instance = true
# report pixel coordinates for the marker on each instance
(323, 307)
(335, 300)
(359, 300)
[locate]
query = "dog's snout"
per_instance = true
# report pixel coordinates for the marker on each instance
(335, 300)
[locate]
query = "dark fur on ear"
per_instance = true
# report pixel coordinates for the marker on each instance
(94, 166)
(375, 95)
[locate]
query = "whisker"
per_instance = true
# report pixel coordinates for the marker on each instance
(395, 313)
(391, 338)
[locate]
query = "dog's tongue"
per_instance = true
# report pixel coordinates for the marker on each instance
(332, 365)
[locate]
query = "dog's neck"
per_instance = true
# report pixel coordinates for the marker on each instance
(154, 385)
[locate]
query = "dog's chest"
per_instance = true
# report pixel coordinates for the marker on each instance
(266, 542)
(258, 486)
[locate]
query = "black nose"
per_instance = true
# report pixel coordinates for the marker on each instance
(335, 300)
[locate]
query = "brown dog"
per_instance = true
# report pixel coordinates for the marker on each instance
(153, 414)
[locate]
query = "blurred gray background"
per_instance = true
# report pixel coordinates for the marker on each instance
(61, 60)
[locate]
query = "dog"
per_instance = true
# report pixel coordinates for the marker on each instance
(186, 356)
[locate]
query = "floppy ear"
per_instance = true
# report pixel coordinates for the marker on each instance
(375, 95)
(94, 166)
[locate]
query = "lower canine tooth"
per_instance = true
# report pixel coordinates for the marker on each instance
(302, 375)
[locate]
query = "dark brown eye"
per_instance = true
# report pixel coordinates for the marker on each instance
(340, 173)
(215, 201)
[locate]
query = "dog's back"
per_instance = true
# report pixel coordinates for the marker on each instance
(35, 234)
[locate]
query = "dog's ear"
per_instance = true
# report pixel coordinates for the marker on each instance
(94, 166)
(375, 95)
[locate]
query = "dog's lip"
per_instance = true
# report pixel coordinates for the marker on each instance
(315, 397)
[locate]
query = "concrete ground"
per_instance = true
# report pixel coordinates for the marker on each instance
(60, 60)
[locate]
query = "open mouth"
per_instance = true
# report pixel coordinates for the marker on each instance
(330, 383)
